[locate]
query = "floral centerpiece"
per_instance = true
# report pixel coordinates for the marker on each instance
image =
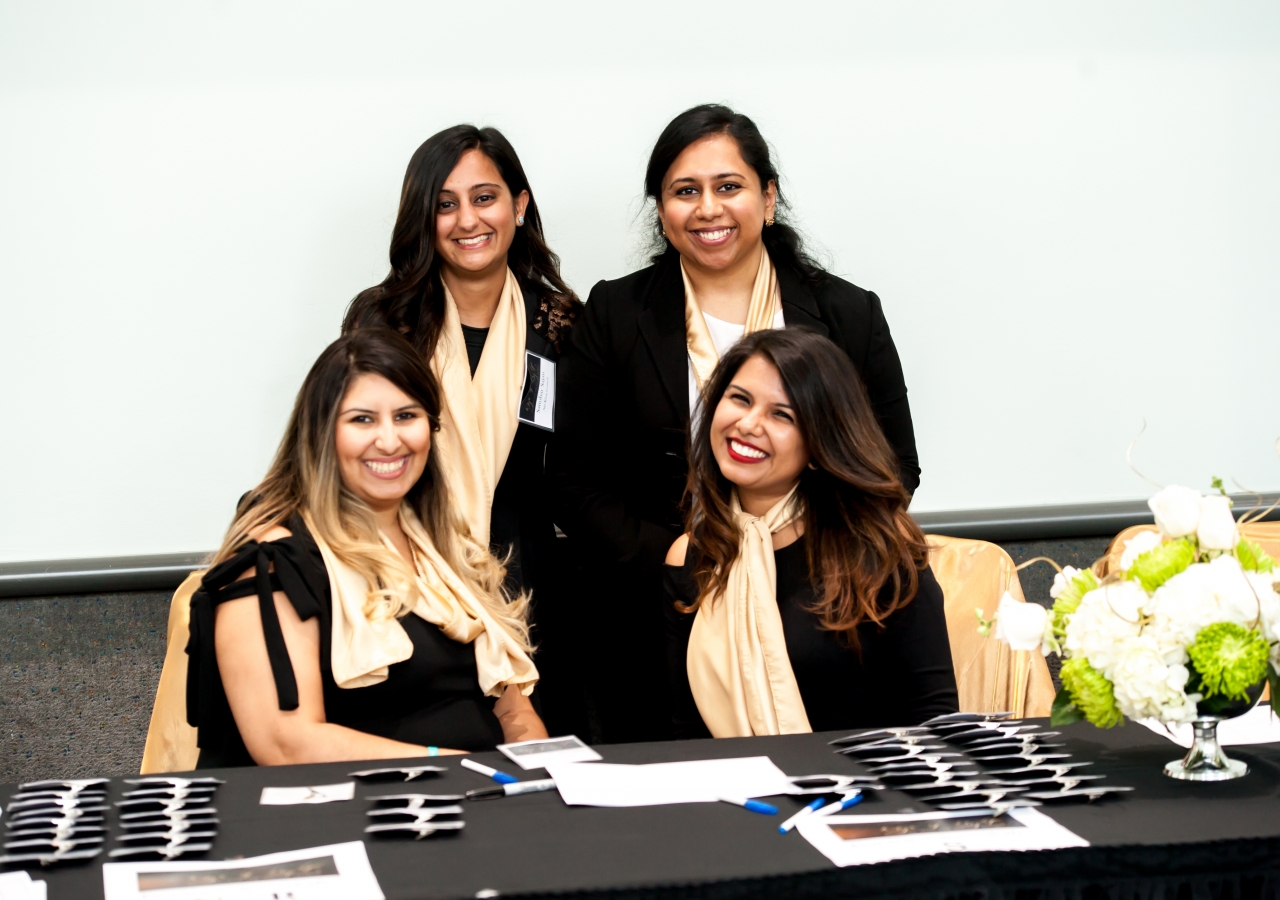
(1186, 631)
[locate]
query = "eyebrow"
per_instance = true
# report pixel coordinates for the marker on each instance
(737, 387)
(359, 409)
(713, 177)
(483, 184)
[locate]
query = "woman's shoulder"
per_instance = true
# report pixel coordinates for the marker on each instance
(289, 538)
(846, 300)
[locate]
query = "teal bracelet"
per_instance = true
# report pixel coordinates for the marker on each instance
(433, 751)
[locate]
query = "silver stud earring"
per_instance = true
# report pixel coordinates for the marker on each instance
(519, 220)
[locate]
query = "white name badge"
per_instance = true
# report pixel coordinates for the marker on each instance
(538, 396)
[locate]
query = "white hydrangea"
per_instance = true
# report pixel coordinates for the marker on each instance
(1105, 618)
(1062, 580)
(1137, 545)
(1147, 687)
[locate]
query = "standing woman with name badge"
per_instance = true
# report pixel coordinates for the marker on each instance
(727, 264)
(475, 288)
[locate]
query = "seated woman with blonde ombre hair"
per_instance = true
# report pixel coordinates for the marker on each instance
(800, 597)
(348, 614)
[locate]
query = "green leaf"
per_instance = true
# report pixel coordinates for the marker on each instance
(1065, 711)
(1273, 680)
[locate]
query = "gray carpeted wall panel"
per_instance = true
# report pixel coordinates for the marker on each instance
(82, 671)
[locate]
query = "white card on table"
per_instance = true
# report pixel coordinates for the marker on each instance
(320, 793)
(538, 395)
(657, 784)
(540, 754)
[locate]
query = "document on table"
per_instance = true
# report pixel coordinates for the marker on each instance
(658, 784)
(1259, 725)
(539, 754)
(861, 840)
(334, 872)
(320, 793)
(19, 886)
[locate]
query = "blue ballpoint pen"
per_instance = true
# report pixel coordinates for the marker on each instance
(853, 798)
(756, 806)
(495, 774)
(791, 823)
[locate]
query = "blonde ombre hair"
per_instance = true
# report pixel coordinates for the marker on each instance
(305, 478)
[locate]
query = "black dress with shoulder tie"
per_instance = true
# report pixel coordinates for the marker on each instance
(433, 698)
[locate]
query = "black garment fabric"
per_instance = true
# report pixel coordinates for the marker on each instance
(433, 698)
(474, 338)
(618, 467)
(902, 676)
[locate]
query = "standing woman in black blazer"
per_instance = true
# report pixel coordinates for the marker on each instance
(475, 288)
(727, 264)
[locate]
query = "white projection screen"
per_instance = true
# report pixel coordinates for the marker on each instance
(1071, 211)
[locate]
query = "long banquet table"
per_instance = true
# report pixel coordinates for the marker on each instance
(1167, 840)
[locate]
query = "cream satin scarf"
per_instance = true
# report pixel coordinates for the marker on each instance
(480, 414)
(362, 650)
(737, 660)
(761, 311)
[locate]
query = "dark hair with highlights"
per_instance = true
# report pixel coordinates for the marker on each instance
(781, 239)
(411, 299)
(859, 536)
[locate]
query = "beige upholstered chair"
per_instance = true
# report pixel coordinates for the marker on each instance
(171, 742)
(990, 677)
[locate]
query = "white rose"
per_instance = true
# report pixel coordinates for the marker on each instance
(1177, 511)
(1061, 580)
(1106, 617)
(1268, 604)
(1137, 545)
(1022, 626)
(1217, 528)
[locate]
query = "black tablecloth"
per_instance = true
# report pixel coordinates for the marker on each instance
(1168, 840)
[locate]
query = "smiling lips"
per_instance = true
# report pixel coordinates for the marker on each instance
(713, 237)
(745, 453)
(472, 243)
(386, 469)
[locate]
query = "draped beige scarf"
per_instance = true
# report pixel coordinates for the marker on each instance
(362, 649)
(761, 312)
(480, 414)
(737, 661)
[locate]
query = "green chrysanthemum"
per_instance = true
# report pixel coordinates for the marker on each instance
(1159, 564)
(1069, 600)
(1091, 692)
(1253, 558)
(1230, 659)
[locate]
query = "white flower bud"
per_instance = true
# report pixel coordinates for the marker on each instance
(1177, 511)
(1217, 527)
(1137, 545)
(1022, 626)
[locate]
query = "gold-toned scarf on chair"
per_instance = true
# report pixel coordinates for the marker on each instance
(738, 666)
(479, 418)
(761, 312)
(362, 648)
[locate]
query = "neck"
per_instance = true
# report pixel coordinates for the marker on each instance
(388, 519)
(476, 293)
(726, 293)
(757, 503)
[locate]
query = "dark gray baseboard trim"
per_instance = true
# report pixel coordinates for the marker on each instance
(1026, 523)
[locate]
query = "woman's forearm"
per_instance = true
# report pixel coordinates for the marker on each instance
(315, 742)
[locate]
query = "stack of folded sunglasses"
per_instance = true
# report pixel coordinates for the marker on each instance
(397, 773)
(420, 815)
(965, 761)
(52, 821)
(166, 817)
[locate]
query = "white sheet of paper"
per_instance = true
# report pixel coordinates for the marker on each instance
(538, 392)
(658, 784)
(332, 872)
(861, 840)
(19, 886)
(1258, 726)
(530, 755)
(320, 793)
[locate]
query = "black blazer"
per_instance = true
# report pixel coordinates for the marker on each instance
(618, 462)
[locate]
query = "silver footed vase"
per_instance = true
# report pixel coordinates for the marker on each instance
(1205, 761)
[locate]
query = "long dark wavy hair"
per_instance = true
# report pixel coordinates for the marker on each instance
(859, 537)
(781, 239)
(411, 298)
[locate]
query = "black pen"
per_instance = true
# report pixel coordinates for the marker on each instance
(510, 790)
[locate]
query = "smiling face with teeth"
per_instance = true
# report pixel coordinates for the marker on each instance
(713, 207)
(755, 438)
(382, 440)
(475, 220)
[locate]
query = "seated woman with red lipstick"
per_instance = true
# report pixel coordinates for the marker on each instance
(349, 614)
(800, 597)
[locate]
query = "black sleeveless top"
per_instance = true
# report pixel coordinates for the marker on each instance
(432, 698)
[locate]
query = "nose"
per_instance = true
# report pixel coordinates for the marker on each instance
(752, 422)
(709, 205)
(467, 218)
(387, 439)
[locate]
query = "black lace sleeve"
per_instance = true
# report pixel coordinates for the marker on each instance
(292, 565)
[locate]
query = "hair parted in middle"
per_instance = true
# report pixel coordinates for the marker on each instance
(858, 535)
(410, 299)
(305, 478)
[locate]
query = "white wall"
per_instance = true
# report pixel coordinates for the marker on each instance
(1070, 211)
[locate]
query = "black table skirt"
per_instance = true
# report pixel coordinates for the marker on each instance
(1168, 840)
